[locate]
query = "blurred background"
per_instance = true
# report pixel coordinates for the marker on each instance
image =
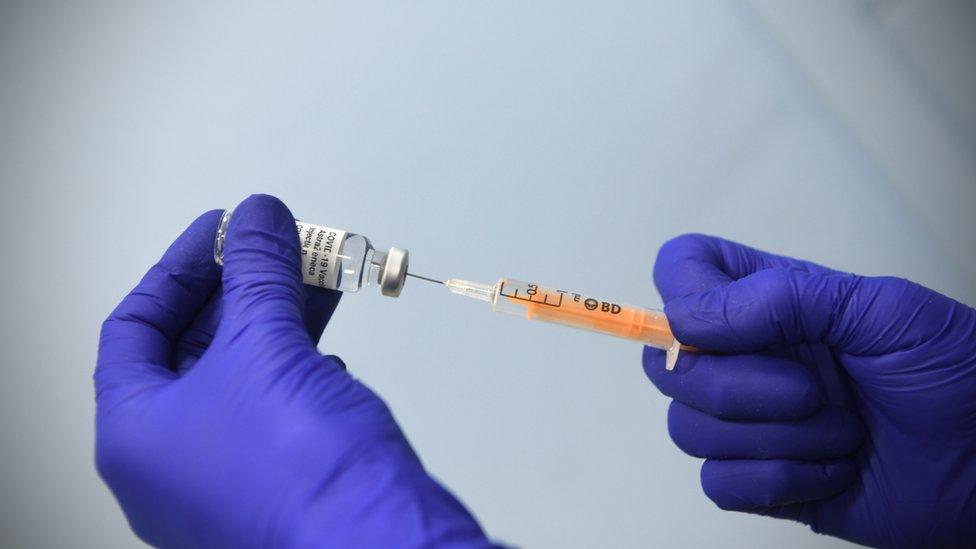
(557, 141)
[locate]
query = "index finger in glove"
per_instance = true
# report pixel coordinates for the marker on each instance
(737, 386)
(145, 326)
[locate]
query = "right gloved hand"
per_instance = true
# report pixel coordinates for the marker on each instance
(219, 424)
(841, 401)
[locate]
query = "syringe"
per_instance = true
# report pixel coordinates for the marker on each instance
(537, 302)
(339, 260)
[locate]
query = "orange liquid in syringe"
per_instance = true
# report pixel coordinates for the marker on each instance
(626, 321)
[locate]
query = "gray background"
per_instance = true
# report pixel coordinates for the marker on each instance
(558, 141)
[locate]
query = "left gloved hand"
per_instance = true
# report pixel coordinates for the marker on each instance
(219, 424)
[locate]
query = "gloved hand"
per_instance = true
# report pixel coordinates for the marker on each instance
(845, 402)
(219, 424)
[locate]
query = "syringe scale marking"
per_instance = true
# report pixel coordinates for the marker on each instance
(545, 296)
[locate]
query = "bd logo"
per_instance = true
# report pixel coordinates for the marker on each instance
(606, 307)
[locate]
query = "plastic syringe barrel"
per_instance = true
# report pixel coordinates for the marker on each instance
(578, 310)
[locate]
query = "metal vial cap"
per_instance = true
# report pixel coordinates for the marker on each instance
(394, 272)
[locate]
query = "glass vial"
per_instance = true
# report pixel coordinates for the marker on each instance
(337, 259)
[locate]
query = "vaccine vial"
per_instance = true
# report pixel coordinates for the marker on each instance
(337, 259)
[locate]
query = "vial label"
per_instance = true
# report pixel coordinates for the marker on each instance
(320, 254)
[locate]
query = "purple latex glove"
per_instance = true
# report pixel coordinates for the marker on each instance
(845, 402)
(219, 424)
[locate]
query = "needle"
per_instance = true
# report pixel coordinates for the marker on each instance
(425, 278)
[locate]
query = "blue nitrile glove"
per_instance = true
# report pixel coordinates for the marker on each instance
(841, 401)
(220, 425)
